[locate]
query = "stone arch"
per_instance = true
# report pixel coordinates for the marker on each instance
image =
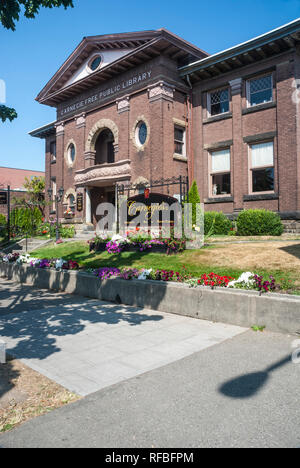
(69, 192)
(97, 129)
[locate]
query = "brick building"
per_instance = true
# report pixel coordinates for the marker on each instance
(135, 107)
(14, 178)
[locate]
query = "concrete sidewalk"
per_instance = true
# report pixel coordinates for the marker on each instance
(243, 392)
(86, 345)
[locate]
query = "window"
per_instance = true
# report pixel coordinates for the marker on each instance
(71, 153)
(218, 102)
(71, 202)
(260, 90)
(220, 173)
(53, 186)
(95, 63)
(141, 133)
(262, 167)
(53, 151)
(179, 140)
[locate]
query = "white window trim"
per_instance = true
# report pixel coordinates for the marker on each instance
(184, 152)
(251, 169)
(208, 97)
(213, 173)
(248, 89)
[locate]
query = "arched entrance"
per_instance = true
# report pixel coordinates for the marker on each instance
(104, 147)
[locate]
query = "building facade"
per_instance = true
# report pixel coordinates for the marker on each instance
(137, 107)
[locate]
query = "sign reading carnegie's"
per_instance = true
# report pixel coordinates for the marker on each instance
(106, 93)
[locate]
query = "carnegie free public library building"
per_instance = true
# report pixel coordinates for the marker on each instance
(136, 107)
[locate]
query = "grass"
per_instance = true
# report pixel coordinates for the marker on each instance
(26, 394)
(280, 259)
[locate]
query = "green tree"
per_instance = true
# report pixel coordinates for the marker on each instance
(194, 199)
(10, 11)
(35, 194)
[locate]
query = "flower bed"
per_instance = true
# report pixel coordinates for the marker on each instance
(247, 281)
(136, 243)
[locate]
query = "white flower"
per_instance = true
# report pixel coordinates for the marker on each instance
(145, 274)
(59, 263)
(246, 278)
(119, 239)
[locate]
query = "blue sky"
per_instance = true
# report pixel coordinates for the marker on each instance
(32, 54)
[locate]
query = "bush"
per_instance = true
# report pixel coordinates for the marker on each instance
(26, 220)
(194, 199)
(67, 232)
(2, 220)
(259, 223)
(216, 223)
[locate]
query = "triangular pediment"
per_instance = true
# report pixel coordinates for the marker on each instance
(98, 56)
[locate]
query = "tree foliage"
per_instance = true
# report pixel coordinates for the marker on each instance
(35, 194)
(10, 10)
(194, 199)
(7, 113)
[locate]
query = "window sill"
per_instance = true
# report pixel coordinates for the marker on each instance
(180, 157)
(53, 162)
(259, 107)
(216, 118)
(218, 200)
(261, 196)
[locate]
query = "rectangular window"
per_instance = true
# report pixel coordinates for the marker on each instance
(218, 102)
(53, 151)
(220, 173)
(260, 90)
(53, 186)
(179, 140)
(262, 167)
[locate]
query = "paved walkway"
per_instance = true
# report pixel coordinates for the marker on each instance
(87, 345)
(243, 392)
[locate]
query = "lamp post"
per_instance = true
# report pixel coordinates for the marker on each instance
(57, 199)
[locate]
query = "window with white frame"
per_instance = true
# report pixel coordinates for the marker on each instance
(179, 140)
(53, 151)
(262, 167)
(54, 193)
(260, 90)
(220, 173)
(218, 102)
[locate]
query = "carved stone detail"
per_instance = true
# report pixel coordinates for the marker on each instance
(60, 129)
(104, 172)
(80, 121)
(161, 90)
(123, 105)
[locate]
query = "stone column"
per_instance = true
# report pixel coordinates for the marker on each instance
(88, 206)
(239, 160)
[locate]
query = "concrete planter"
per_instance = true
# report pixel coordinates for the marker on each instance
(278, 312)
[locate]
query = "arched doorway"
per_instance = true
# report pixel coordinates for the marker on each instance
(104, 147)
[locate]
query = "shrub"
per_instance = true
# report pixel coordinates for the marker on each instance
(216, 223)
(67, 232)
(26, 220)
(194, 199)
(259, 223)
(2, 220)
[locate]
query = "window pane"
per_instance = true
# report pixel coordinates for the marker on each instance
(178, 148)
(221, 184)
(261, 90)
(220, 161)
(219, 102)
(262, 154)
(263, 180)
(179, 134)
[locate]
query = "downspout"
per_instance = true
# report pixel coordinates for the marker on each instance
(190, 123)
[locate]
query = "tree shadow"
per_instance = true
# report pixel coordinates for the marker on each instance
(7, 375)
(292, 250)
(246, 386)
(32, 323)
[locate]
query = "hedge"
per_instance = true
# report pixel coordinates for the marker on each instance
(216, 223)
(259, 223)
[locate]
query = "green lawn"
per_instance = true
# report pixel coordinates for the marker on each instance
(195, 262)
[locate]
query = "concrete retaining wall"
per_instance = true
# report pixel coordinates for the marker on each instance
(278, 312)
